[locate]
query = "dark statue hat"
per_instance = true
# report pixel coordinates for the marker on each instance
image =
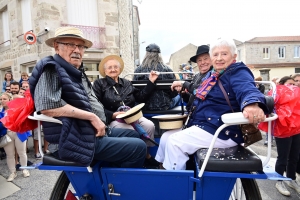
(153, 48)
(201, 50)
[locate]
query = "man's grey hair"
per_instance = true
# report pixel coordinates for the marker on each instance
(152, 59)
(222, 42)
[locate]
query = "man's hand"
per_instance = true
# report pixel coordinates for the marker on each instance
(177, 85)
(115, 114)
(153, 76)
(98, 125)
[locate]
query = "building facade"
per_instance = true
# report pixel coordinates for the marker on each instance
(112, 26)
(271, 56)
(183, 55)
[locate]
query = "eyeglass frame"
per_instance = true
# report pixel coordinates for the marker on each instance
(73, 46)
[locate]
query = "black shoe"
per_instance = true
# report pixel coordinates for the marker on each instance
(29, 163)
(18, 167)
(151, 163)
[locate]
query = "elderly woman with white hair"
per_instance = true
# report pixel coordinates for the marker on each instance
(210, 104)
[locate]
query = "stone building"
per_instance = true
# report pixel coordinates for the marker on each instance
(112, 26)
(183, 56)
(271, 56)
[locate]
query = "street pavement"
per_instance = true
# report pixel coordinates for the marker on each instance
(40, 183)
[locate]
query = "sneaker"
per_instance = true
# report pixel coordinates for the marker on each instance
(47, 152)
(11, 177)
(38, 156)
(293, 184)
(282, 189)
(266, 143)
(26, 173)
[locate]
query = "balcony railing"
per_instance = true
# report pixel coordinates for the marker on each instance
(92, 33)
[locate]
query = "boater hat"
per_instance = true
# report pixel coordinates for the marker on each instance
(68, 32)
(170, 121)
(107, 58)
(201, 50)
(133, 114)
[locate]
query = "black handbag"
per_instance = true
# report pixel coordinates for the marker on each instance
(251, 133)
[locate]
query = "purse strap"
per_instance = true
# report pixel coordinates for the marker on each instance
(225, 94)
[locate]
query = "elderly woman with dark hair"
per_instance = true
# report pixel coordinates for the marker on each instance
(210, 104)
(113, 92)
(160, 99)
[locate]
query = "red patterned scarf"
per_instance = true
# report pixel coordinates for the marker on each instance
(207, 84)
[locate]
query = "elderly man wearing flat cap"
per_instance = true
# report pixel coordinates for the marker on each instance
(61, 89)
(204, 64)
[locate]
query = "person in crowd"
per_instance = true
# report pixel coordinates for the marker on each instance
(288, 153)
(72, 99)
(24, 77)
(204, 64)
(260, 86)
(16, 143)
(25, 85)
(210, 104)
(275, 79)
(14, 88)
(113, 92)
(296, 78)
(8, 79)
(159, 99)
(22, 92)
(7, 89)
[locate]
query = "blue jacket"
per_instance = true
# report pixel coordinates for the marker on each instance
(3, 129)
(76, 138)
(238, 82)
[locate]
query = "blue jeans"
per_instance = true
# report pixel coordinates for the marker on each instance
(175, 102)
(122, 147)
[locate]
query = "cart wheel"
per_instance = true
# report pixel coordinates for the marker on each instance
(60, 189)
(245, 189)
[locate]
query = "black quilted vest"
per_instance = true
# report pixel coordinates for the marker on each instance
(76, 138)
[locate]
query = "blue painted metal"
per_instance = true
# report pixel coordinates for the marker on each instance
(272, 175)
(147, 184)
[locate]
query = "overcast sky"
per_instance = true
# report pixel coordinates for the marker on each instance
(172, 24)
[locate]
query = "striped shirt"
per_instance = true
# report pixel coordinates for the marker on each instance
(47, 94)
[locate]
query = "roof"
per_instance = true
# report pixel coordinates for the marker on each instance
(275, 39)
(273, 65)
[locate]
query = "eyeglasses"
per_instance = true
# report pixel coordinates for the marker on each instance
(112, 67)
(73, 46)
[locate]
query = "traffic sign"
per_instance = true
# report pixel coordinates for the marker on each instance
(29, 37)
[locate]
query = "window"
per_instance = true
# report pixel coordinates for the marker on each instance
(91, 70)
(297, 70)
(5, 28)
(28, 67)
(83, 12)
(266, 53)
(281, 52)
(26, 15)
(296, 51)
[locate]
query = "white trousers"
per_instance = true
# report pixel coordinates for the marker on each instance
(10, 151)
(186, 142)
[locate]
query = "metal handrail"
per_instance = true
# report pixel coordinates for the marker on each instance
(159, 73)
